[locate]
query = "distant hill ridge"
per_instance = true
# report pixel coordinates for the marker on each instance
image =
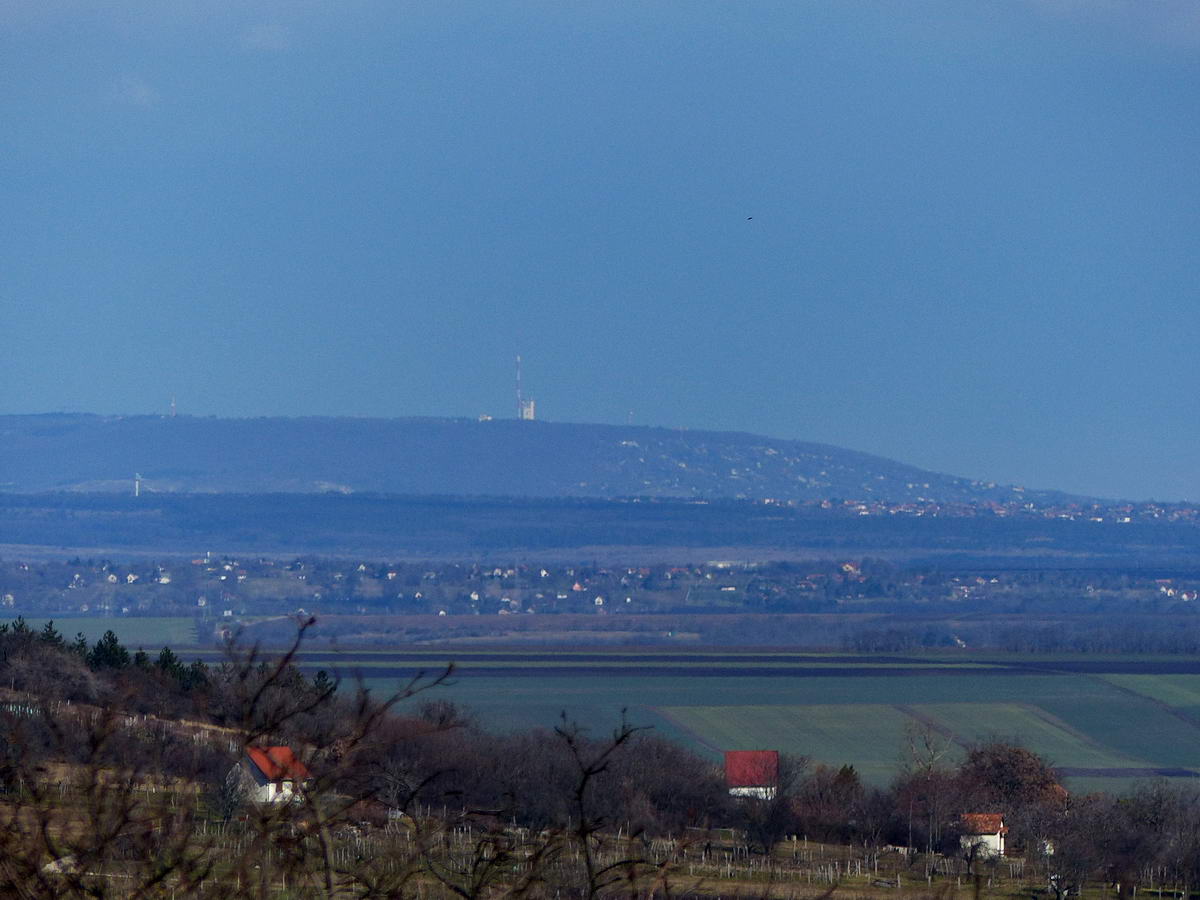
(457, 457)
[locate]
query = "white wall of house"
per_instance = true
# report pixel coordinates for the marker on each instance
(274, 792)
(986, 844)
(263, 791)
(762, 793)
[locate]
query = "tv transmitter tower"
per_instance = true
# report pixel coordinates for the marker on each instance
(525, 408)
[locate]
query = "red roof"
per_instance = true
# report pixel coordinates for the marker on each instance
(983, 823)
(278, 763)
(751, 768)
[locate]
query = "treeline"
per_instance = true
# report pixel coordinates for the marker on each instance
(1117, 632)
(433, 755)
(1150, 836)
(44, 662)
(1113, 633)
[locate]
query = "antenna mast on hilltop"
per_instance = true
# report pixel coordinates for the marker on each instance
(524, 407)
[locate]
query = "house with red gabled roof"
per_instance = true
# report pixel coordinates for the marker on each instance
(982, 833)
(752, 773)
(275, 773)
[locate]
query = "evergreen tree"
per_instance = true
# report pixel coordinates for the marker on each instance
(194, 676)
(51, 635)
(169, 664)
(323, 684)
(108, 653)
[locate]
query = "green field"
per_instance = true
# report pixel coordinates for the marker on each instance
(1104, 729)
(1076, 721)
(1176, 691)
(867, 736)
(143, 631)
(871, 737)
(1053, 739)
(1135, 726)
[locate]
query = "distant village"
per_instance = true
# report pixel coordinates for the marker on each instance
(217, 589)
(1120, 513)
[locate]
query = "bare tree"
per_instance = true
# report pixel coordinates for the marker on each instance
(585, 831)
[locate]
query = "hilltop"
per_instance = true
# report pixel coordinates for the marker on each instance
(453, 457)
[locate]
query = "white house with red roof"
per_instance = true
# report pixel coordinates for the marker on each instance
(276, 775)
(982, 833)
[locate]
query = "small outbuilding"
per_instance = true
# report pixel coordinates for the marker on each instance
(274, 773)
(752, 773)
(982, 833)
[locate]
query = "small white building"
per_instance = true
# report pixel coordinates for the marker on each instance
(983, 833)
(274, 774)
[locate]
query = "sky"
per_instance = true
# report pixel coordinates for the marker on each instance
(961, 235)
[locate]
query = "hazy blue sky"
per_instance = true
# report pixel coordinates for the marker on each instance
(959, 233)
